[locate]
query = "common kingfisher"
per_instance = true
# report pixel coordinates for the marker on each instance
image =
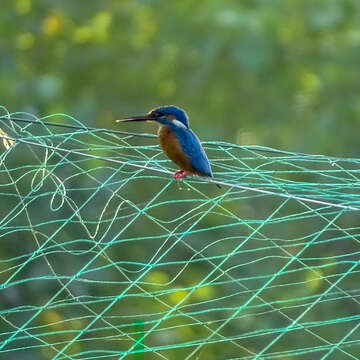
(178, 141)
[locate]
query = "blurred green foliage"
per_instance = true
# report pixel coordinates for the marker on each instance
(278, 73)
(283, 74)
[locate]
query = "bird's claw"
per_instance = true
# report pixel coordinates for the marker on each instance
(180, 174)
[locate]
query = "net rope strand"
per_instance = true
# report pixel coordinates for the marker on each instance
(262, 191)
(271, 256)
(62, 285)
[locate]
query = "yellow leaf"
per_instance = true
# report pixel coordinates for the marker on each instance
(7, 142)
(204, 293)
(23, 6)
(314, 279)
(157, 278)
(52, 24)
(82, 34)
(177, 296)
(25, 41)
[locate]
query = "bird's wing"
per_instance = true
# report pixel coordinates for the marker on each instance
(191, 146)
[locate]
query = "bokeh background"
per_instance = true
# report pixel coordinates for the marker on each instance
(282, 74)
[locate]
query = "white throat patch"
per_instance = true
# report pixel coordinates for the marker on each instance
(179, 124)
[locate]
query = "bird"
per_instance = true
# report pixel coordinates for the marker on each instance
(178, 141)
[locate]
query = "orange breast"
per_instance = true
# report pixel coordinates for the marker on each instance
(172, 148)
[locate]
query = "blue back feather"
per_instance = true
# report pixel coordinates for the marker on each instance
(191, 146)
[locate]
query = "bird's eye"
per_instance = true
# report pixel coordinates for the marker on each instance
(156, 113)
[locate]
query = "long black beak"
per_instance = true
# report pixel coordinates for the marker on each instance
(148, 117)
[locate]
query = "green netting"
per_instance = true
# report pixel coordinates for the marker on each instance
(105, 256)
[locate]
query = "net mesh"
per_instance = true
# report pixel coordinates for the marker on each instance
(105, 256)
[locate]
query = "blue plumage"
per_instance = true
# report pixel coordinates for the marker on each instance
(191, 146)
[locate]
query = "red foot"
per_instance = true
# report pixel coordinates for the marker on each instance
(180, 174)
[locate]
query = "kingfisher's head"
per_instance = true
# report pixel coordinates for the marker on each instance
(165, 115)
(170, 113)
